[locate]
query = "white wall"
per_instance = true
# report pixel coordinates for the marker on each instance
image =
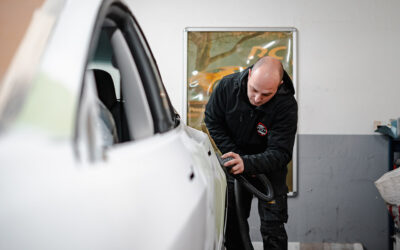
(348, 52)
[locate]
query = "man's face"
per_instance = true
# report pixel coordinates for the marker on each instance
(261, 89)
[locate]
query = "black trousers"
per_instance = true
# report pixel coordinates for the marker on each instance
(272, 214)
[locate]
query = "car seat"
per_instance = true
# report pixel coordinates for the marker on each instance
(106, 92)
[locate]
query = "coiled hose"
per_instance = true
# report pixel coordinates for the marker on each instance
(242, 182)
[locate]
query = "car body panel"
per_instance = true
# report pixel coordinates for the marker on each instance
(165, 191)
(118, 203)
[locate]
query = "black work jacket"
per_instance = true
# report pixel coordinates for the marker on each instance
(263, 136)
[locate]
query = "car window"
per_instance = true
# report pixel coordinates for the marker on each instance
(102, 59)
(132, 101)
(158, 99)
(162, 92)
(135, 103)
(107, 78)
(124, 111)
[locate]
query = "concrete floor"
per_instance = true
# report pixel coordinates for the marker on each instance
(315, 246)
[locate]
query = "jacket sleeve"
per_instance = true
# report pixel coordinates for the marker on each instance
(281, 137)
(215, 120)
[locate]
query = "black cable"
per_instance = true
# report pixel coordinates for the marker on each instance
(265, 183)
(241, 219)
(240, 183)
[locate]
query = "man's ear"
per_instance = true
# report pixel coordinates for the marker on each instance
(281, 82)
(249, 73)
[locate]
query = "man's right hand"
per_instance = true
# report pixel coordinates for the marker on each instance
(236, 163)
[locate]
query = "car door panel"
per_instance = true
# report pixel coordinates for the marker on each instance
(217, 180)
(169, 193)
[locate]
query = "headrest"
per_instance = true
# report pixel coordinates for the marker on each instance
(105, 87)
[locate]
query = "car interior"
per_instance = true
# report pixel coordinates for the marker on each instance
(132, 101)
(111, 52)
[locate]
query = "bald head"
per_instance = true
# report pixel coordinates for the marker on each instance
(264, 80)
(269, 66)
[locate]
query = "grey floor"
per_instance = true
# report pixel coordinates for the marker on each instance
(315, 246)
(292, 246)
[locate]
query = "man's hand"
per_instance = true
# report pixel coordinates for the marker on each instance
(236, 163)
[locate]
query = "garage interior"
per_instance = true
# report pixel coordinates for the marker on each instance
(347, 62)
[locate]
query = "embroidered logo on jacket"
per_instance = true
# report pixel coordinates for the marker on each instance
(261, 129)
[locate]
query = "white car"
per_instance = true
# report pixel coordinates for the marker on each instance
(92, 154)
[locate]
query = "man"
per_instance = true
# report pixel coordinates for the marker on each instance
(252, 117)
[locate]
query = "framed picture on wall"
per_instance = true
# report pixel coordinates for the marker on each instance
(212, 53)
